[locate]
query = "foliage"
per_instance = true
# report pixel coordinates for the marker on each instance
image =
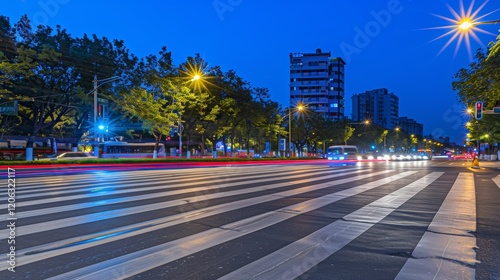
(52, 74)
(481, 82)
(48, 71)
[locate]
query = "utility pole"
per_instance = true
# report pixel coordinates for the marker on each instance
(97, 84)
(179, 131)
(96, 145)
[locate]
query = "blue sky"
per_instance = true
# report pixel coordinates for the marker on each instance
(384, 43)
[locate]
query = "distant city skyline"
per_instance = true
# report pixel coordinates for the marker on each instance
(388, 44)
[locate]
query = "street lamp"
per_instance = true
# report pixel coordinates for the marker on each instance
(299, 108)
(366, 122)
(465, 25)
(97, 84)
(195, 78)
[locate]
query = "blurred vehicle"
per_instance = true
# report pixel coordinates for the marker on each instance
(463, 156)
(367, 156)
(117, 149)
(424, 153)
(374, 156)
(72, 156)
(342, 152)
(441, 156)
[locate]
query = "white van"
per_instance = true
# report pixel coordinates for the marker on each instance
(341, 152)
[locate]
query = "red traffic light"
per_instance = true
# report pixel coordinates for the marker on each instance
(479, 110)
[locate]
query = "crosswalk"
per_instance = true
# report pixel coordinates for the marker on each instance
(252, 222)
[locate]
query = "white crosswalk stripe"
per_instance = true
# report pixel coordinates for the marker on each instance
(449, 242)
(163, 217)
(497, 181)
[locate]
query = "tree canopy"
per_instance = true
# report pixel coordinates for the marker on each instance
(481, 82)
(53, 76)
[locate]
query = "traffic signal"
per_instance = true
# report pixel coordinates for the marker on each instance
(479, 110)
(100, 112)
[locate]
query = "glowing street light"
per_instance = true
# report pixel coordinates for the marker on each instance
(467, 25)
(195, 77)
(464, 25)
(299, 108)
(365, 122)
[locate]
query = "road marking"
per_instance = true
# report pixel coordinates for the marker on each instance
(114, 181)
(143, 260)
(297, 258)
(98, 190)
(99, 216)
(75, 244)
(446, 250)
(497, 181)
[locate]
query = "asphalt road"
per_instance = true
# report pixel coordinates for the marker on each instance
(321, 220)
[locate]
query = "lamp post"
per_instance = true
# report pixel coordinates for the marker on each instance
(194, 78)
(97, 84)
(180, 128)
(468, 24)
(299, 108)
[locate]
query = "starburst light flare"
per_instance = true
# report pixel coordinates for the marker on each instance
(464, 25)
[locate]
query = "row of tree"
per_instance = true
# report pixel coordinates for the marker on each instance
(51, 75)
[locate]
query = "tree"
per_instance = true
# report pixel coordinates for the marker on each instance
(42, 81)
(49, 72)
(158, 111)
(481, 82)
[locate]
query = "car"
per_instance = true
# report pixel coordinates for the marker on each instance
(72, 156)
(367, 156)
(462, 156)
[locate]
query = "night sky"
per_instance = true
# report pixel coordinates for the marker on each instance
(386, 44)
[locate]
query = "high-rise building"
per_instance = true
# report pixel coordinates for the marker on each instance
(410, 126)
(317, 80)
(378, 106)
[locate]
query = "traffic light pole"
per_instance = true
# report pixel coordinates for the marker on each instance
(97, 84)
(179, 132)
(96, 145)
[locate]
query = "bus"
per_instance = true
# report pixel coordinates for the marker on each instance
(117, 149)
(15, 149)
(342, 152)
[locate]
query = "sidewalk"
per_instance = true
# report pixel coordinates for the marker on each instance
(487, 163)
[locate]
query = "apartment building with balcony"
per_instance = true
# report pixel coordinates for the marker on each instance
(378, 106)
(317, 80)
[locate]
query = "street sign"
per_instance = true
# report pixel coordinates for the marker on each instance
(102, 100)
(9, 108)
(496, 110)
